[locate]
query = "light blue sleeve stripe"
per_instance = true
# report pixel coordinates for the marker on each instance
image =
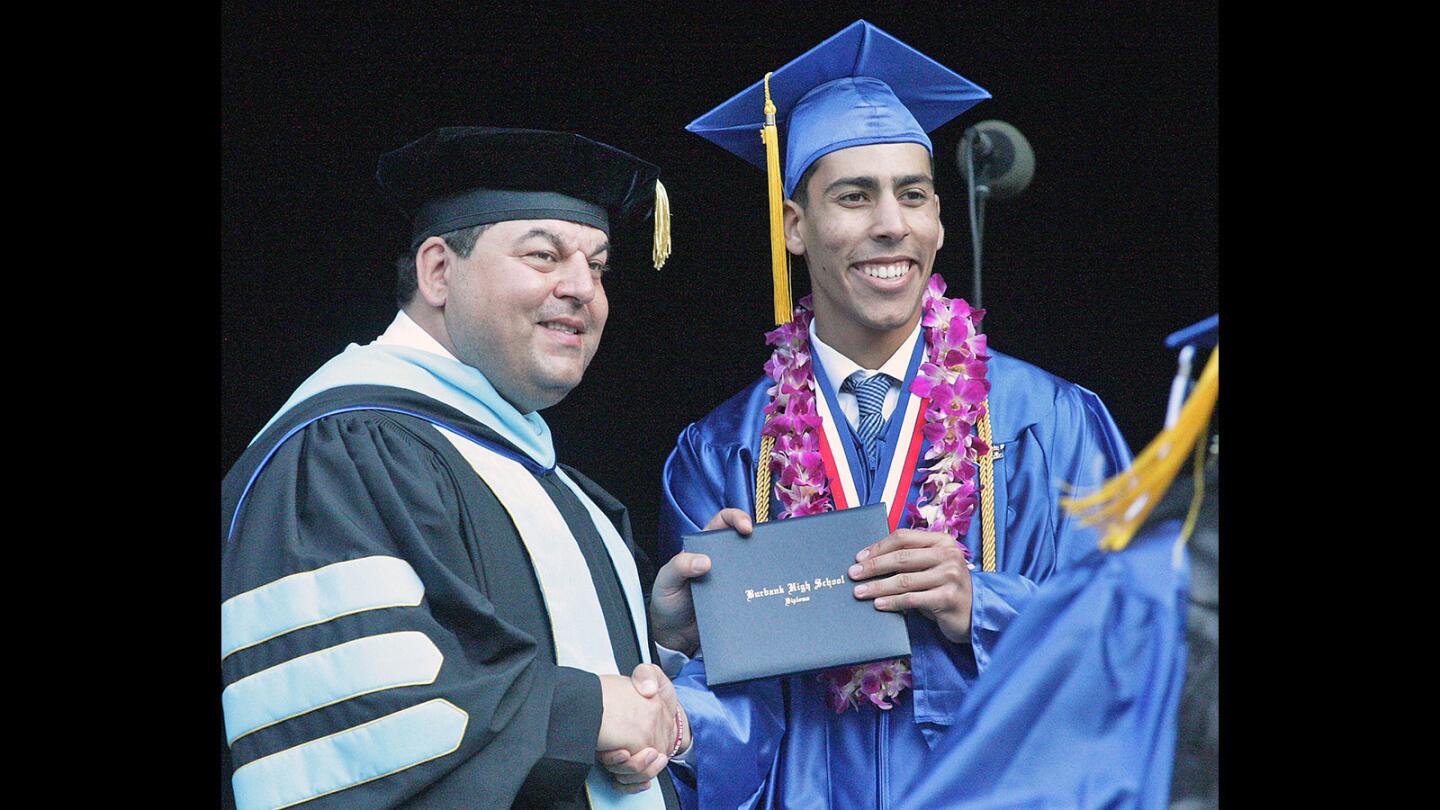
(328, 676)
(312, 597)
(351, 757)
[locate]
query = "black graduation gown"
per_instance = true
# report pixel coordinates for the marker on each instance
(384, 483)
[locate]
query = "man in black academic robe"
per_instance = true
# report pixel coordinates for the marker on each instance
(419, 605)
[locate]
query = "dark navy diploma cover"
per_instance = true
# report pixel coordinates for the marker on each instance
(780, 601)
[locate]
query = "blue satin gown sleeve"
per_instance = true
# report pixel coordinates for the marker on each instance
(737, 728)
(1079, 708)
(1056, 435)
(712, 467)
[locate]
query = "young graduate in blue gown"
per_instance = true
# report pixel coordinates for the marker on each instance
(862, 210)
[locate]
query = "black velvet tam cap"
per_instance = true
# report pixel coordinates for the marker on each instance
(458, 177)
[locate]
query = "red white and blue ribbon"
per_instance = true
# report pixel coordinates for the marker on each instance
(899, 451)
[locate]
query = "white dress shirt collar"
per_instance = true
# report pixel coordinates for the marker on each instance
(837, 367)
(403, 331)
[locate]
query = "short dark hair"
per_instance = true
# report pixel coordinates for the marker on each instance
(800, 196)
(461, 241)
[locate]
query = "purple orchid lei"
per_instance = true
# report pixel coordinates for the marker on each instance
(953, 378)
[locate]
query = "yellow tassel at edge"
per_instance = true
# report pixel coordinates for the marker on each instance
(660, 251)
(1123, 502)
(779, 257)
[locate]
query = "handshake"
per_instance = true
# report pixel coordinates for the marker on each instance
(643, 723)
(642, 726)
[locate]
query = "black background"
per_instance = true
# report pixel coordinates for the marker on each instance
(1113, 246)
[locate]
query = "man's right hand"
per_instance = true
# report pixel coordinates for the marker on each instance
(672, 612)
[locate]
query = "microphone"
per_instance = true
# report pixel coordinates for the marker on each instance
(996, 162)
(1003, 161)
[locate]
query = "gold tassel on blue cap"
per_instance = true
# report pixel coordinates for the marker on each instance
(660, 250)
(779, 257)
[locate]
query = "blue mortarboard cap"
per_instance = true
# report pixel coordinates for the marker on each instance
(860, 86)
(1201, 335)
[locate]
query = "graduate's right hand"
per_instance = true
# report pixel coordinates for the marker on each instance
(672, 613)
(632, 772)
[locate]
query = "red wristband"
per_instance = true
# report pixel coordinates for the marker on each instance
(679, 733)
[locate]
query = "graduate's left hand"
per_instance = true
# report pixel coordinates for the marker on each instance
(672, 611)
(928, 573)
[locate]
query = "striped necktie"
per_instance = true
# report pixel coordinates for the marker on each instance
(870, 394)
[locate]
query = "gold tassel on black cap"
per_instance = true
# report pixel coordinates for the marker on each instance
(660, 250)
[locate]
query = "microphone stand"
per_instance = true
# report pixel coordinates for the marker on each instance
(977, 194)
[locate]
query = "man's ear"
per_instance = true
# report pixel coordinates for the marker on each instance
(433, 261)
(792, 217)
(939, 243)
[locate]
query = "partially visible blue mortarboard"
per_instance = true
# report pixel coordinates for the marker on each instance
(1201, 335)
(1189, 340)
(458, 177)
(860, 86)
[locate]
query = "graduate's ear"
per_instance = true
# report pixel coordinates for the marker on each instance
(793, 215)
(432, 261)
(939, 243)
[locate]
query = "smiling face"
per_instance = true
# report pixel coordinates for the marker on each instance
(869, 233)
(527, 307)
